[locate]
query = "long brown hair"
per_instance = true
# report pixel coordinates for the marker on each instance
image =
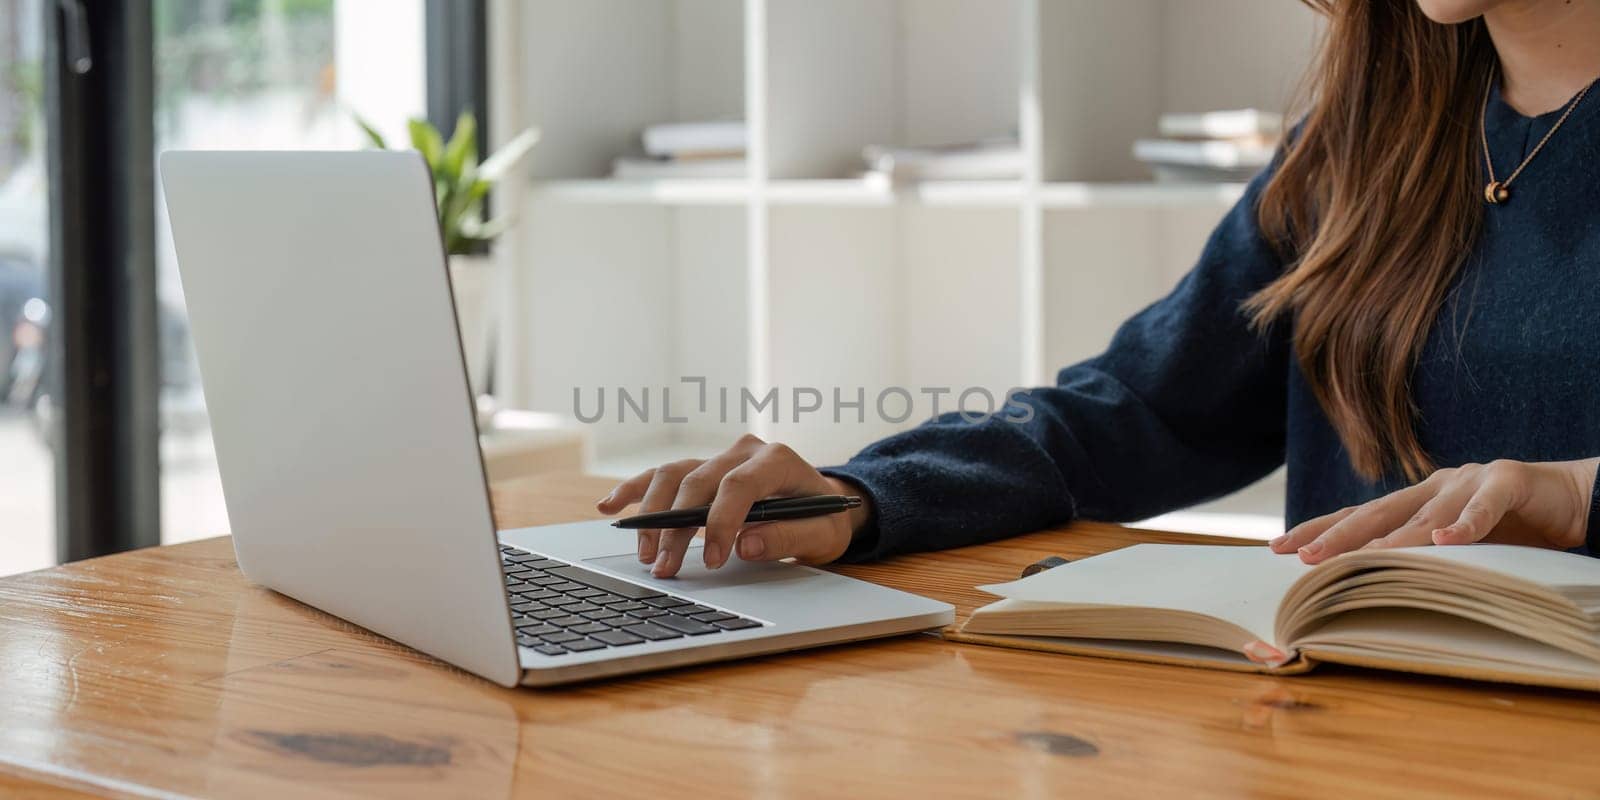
(1375, 206)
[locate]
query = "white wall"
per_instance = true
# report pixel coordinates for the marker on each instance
(1263, 47)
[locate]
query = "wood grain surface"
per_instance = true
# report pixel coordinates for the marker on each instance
(164, 673)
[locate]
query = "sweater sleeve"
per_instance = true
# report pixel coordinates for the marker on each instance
(1187, 403)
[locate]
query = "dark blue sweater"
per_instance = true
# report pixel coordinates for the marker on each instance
(1188, 404)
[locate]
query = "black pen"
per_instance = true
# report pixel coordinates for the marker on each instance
(762, 511)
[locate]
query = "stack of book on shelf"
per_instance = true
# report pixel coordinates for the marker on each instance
(1211, 146)
(987, 159)
(686, 150)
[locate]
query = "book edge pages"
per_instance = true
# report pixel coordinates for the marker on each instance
(1110, 651)
(1345, 565)
(1446, 671)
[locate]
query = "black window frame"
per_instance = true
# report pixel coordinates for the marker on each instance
(457, 64)
(457, 59)
(105, 379)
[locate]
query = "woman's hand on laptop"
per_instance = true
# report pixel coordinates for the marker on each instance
(1544, 504)
(730, 482)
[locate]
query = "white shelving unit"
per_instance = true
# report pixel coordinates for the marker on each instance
(864, 192)
(800, 275)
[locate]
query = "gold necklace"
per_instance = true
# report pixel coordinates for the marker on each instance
(1497, 191)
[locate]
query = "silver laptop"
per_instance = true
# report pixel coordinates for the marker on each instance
(321, 311)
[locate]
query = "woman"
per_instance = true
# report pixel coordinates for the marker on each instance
(1405, 307)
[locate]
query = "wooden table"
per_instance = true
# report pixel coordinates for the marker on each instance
(163, 672)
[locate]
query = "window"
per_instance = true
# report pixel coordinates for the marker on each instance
(27, 466)
(133, 79)
(260, 74)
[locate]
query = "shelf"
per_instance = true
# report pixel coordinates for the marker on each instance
(966, 193)
(673, 192)
(870, 192)
(879, 192)
(1139, 195)
(830, 192)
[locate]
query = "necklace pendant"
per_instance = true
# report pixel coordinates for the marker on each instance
(1496, 193)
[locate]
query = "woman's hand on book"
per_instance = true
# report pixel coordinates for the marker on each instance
(730, 482)
(1543, 504)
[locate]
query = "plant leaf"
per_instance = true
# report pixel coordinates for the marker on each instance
(375, 138)
(462, 200)
(486, 231)
(426, 139)
(506, 158)
(461, 152)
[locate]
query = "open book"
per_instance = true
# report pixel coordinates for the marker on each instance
(1490, 612)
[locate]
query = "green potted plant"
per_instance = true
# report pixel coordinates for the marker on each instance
(460, 184)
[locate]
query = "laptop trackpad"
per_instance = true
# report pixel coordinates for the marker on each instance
(693, 575)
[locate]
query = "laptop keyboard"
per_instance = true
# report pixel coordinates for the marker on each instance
(558, 608)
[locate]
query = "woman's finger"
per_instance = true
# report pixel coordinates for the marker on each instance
(767, 473)
(626, 493)
(700, 487)
(1439, 511)
(1368, 522)
(658, 497)
(673, 543)
(1301, 534)
(1480, 514)
(809, 541)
